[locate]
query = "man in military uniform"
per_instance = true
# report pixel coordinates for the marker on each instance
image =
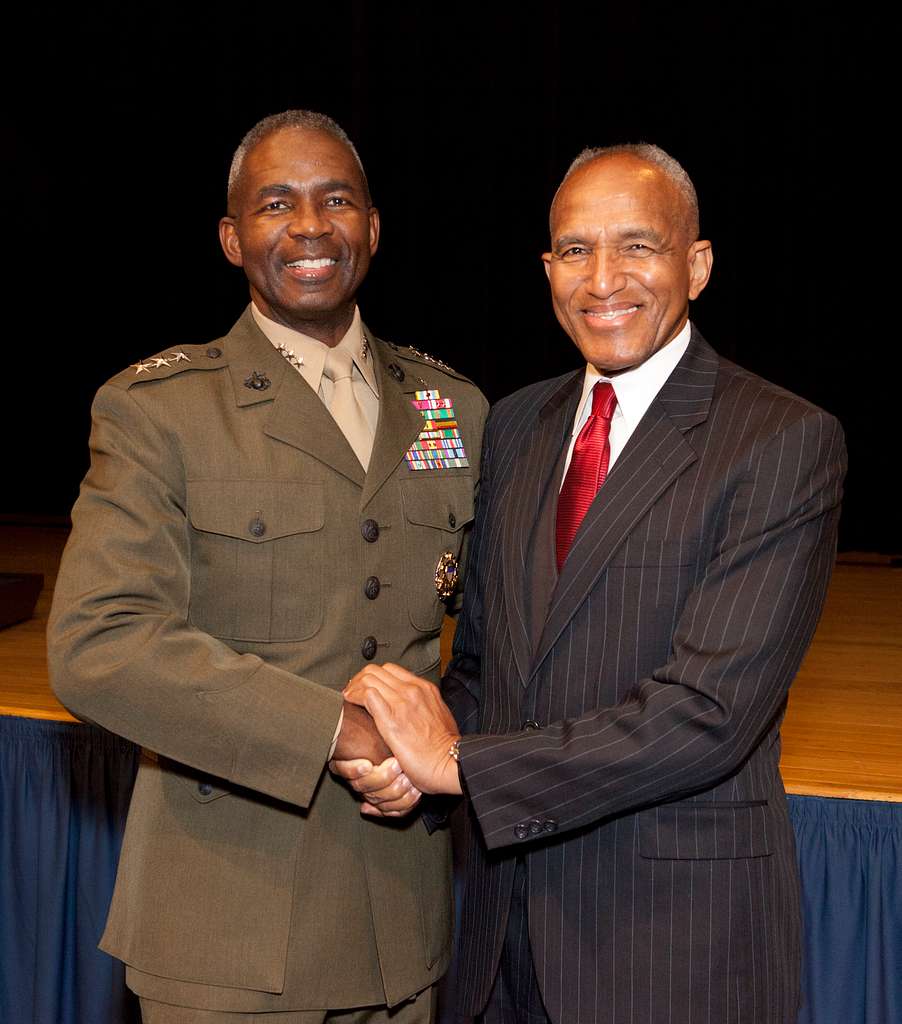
(262, 515)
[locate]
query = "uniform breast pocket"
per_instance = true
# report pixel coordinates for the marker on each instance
(436, 511)
(256, 558)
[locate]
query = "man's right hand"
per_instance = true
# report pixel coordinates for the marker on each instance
(359, 737)
(386, 790)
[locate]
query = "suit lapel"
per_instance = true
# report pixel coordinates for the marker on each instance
(530, 476)
(655, 455)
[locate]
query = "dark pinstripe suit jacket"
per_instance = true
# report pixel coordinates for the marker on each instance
(648, 805)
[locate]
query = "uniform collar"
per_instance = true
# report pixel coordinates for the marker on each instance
(310, 354)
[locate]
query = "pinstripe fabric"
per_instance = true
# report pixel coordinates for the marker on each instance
(661, 864)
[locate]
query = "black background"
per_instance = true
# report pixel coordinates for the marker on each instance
(124, 121)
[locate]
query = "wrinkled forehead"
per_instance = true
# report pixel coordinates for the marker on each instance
(613, 193)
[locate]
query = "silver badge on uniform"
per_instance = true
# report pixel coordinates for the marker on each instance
(447, 573)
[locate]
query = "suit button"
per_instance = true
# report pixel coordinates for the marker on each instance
(256, 527)
(521, 831)
(530, 725)
(368, 648)
(452, 520)
(204, 788)
(372, 587)
(213, 352)
(536, 827)
(550, 825)
(370, 530)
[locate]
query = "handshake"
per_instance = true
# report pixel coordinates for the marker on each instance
(406, 731)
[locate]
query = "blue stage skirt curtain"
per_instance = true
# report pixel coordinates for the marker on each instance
(850, 858)
(64, 794)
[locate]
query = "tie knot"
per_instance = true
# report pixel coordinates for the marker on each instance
(604, 400)
(339, 364)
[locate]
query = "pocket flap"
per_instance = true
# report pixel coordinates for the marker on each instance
(444, 503)
(255, 510)
(704, 831)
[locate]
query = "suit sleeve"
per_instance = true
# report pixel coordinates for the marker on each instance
(122, 652)
(737, 646)
(461, 687)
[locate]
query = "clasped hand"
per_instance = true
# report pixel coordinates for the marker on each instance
(416, 724)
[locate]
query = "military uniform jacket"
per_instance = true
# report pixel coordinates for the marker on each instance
(230, 567)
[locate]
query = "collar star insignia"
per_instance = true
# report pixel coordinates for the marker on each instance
(142, 368)
(294, 360)
(365, 350)
(178, 357)
(159, 361)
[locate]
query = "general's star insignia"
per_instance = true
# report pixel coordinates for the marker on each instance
(179, 356)
(295, 361)
(160, 361)
(142, 368)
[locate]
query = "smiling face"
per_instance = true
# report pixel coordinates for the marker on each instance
(302, 227)
(622, 267)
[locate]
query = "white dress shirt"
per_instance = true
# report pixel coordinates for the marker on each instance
(635, 390)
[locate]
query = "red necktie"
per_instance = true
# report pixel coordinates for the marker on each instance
(588, 468)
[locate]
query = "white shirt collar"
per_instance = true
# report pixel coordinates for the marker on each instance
(636, 388)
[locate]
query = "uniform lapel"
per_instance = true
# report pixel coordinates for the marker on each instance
(656, 454)
(399, 424)
(530, 476)
(298, 416)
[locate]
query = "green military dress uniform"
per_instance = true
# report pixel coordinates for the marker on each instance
(231, 565)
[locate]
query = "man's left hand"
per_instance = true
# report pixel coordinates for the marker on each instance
(413, 720)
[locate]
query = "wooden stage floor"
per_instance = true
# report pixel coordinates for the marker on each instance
(843, 731)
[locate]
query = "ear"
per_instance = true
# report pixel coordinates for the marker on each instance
(374, 230)
(701, 259)
(231, 244)
(546, 259)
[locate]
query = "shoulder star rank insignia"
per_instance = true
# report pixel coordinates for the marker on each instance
(142, 367)
(447, 573)
(179, 356)
(159, 361)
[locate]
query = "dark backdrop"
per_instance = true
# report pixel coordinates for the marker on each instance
(125, 117)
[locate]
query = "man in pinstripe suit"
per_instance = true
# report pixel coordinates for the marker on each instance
(631, 858)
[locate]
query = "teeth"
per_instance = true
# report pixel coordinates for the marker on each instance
(313, 264)
(614, 313)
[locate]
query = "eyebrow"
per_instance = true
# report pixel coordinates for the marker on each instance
(333, 185)
(628, 233)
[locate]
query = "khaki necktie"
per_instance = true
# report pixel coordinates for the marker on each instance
(344, 407)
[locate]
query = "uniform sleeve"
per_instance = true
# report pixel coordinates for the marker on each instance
(736, 648)
(122, 652)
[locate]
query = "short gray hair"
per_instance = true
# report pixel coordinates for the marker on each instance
(651, 154)
(309, 120)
